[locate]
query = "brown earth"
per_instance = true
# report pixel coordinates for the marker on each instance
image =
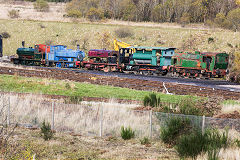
(233, 115)
(175, 88)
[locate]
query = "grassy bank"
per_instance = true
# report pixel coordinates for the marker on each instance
(70, 34)
(66, 88)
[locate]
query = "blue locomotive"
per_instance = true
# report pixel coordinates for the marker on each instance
(62, 57)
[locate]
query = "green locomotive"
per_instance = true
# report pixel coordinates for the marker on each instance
(207, 64)
(146, 60)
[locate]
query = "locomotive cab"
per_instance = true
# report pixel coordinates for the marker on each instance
(221, 61)
(125, 55)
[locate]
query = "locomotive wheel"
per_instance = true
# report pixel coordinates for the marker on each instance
(164, 73)
(145, 73)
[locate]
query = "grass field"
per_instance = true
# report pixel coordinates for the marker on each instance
(70, 34)
(66, 88)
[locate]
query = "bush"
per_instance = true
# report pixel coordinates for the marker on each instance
(145, 141)
(214, 142)
(104, 40)
(234, 19)
(127, 133)
(188, 106)
(41, 6)
(5, 35)
(210, 40)
(95, 14)
(173, 129)
(73, 99)
(185, 19)
(152, 100)
(220, 19)
(191, 145)
(13, 13)
(197, 142)
(237, 143)
(46, 131)
(123, 32)
(48, 42)
(74, 13)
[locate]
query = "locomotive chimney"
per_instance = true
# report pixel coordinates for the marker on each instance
(78, 47)
(23, 44)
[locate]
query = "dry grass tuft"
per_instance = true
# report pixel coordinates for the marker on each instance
(230, 107)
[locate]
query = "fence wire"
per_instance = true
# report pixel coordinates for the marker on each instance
(96, 119)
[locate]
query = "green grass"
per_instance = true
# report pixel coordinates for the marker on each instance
(57, 87)
(231, 102)
(68, 33)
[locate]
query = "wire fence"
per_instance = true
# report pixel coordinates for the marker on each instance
(96, 119)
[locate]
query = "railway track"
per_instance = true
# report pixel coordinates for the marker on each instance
(176, 86)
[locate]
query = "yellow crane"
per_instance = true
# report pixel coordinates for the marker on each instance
(119, 44)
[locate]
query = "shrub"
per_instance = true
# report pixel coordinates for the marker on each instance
(188, 106)
(42, 26)
(123, 32)
(191, 145)
(214, 142)
(85, 43)
(74, 13)
(75, 99)
(237, 143)
(220, 19)
(13, 13)
(67, 86)
(94, 14)
(185, 19)
(173, 128)
(48, 42)
(145, 141)
(230, 45)
(210, 40)
(104, 40)
(127, 133)
(46, 131)
(5, 35)
(197, 142)
(152, 100)
(41, 5)
(234, 19)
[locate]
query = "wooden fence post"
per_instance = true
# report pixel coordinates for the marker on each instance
(150, 124)
(101, 121)
(52, 115)
(9, 113)
(203, 124)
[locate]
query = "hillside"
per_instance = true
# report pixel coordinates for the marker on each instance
(91, 36)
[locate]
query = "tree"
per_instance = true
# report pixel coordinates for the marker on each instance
(95, 14)
(238, 2)
(128, 10)
(234, 17)
(41, 5)
(220, 19)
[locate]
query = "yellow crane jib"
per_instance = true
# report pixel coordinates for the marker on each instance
(119, 44)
